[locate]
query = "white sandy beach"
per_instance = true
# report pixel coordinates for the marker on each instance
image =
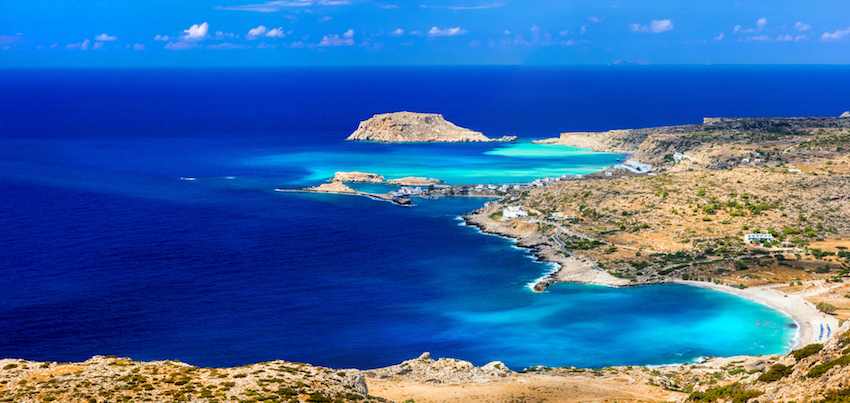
(804, 313)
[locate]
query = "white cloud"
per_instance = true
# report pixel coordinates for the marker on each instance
(474, 43)
(325, 19)
(276, 33)
(583, 29)
(761, 23)
(802, 27)
(97, 45)
(162, 38)
(105, 37)
(297, 44)
(835, 36)
(446, 32)
(784, 38)
(656, 26)
(255, 32)
(659, 26)
(138, 46)
(737, 28)
(84, 45)
(335, 40)
(719, 37)
(179, 45)
(461, 7)
(226, 45)
(55, 45)
(221, 35)
(348, 34)
(397, 32)
(196, 32)
(760, 38)
(593, 19)
(507, 32)
(564, 32)
(273, 6)
(801, 38)
(415, 33)
(388, 6)
(264, 45)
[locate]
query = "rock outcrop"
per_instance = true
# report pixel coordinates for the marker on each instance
(448, 371)
(357, 177)
(402, 127)
(845, 115)
(333, 187)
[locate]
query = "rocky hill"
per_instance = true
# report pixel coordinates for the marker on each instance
(416, 127)
(112, 379)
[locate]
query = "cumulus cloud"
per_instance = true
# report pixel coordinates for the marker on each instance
(97, 45)
(221, 35)
(397, 32)
(719, 37)
(802, 27)
(801, 38)
(656, 26)
(179, 45)
(446, 32)
(138, 46)
(760, 38)
(784, 38)
(255, 32)
(274, 6)
(835, 36)
(196, 32)
(276, 33)
(760, 24)
(325, 19)
(297, 44)
(162, 38)
(105, 37)
(336, 40)
(84, 45)
(226, 45)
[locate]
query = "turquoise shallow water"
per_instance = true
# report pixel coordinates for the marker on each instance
(457, 164)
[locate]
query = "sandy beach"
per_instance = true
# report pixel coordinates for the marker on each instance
(804, 313)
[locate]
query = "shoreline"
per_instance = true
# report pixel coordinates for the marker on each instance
(802, 312)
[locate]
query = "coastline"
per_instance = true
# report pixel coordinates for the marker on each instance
(802, 312)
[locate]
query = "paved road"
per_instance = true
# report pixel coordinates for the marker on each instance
(562, 247)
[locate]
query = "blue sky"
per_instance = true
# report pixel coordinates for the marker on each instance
(55, 33)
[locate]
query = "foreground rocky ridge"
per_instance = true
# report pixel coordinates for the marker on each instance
(416, 127)
(112, 379)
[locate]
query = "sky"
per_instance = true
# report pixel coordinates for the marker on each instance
(124, 33)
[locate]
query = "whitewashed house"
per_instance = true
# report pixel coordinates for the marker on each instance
(750, 238)
(512, 212)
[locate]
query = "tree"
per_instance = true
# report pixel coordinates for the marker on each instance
(825, 308)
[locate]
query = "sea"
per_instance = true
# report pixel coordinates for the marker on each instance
(139, 216)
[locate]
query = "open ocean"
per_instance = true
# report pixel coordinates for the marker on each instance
(105, 250)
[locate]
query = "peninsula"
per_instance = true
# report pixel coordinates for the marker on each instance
(400, 127)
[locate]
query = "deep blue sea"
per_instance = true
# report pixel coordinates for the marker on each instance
(105, 250)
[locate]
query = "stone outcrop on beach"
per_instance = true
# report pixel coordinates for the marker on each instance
(416, 127)
(357, 177)
(415, 181)
(333, 187)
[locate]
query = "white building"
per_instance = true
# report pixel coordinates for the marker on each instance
(680, 156)
(750, 238)
(512, 212)
(634, 166)
(608, 173)
(407, 191)
(794, 170)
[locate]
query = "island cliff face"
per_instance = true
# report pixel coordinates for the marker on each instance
(416, 127)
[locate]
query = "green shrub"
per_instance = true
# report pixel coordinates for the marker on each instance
(821, 369)
(837, 396)
(825, 308)
(807, 351)
(734, 392)
(776, 373)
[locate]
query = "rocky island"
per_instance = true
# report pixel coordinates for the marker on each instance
(401, 127)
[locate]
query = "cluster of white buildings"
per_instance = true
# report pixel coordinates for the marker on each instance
(634, 166)
(407, 191)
